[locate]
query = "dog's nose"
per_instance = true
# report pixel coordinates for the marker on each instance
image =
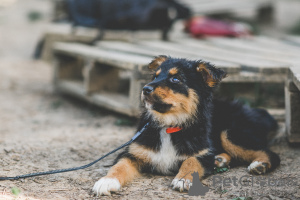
(147, 90)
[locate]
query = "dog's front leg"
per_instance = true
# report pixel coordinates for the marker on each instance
(121, 173)
(202, 165)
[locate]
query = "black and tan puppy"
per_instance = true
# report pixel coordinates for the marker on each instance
(189, 131)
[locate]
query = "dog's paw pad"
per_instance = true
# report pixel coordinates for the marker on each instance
(258, 167)
(221, 161)
(181, 184)
(106, 185)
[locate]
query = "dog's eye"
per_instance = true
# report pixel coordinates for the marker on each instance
(174, 80)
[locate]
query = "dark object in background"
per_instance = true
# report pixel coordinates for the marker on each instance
(117, 15)
(203, 26)
(127, 14)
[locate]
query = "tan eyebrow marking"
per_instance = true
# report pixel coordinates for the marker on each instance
(173, 71)
(158, 72)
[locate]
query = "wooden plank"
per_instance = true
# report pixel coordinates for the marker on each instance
(152, 51)
(295, 76)
(292, 106)
(251, 77)
(202, 49)
(63, 33)
(255, 48)
(235, 75)
(118, 59)
(112, 101)
(292, 39)
(248, 62)
(275, 44)
(132, 48)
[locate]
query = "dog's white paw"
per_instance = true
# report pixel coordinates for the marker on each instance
(181, 184)
(257, 167)
(106, 185)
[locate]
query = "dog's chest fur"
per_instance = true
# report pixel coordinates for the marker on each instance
(165, 160)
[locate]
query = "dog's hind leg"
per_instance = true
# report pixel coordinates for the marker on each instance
(262, 160)
(222, 160)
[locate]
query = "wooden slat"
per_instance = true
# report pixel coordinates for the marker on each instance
(117, 59)
(253, 47)
(295, 76)
(154, 51)
(202, 49)
(235, 75)
(111, 101)
(292, 39)
(251, 77)
(250, 62)
(275, 44)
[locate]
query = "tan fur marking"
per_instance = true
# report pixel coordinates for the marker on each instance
(241, 153)
(173, 71)
(202, 152)
(209, 79)
(125, 170)
(157, 72)
(140, 152)
(189, 166)
(157, 62)
(183, 107)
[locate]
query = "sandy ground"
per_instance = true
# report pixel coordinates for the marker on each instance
(41, 130)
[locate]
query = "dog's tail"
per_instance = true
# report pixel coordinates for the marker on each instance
(266, 122)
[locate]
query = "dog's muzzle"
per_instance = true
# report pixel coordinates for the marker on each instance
(147, 90)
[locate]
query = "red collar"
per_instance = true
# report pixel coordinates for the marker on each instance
(173, 129)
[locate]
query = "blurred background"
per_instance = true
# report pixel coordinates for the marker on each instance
(24, 25)
(42, 129)
(24, 22)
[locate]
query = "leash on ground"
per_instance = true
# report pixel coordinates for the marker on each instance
(77, 168)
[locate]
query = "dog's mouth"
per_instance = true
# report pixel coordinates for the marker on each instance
(155, 103)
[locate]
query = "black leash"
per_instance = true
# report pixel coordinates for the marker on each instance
(76, 168)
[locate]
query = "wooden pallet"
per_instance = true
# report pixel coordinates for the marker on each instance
(112, 73)
(292, 105)
(95, 75)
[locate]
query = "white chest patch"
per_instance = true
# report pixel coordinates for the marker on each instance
(166, 158)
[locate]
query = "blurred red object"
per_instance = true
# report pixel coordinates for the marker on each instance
(204, 26)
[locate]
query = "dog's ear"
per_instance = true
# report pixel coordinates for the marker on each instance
(157, 61)
(211, 75)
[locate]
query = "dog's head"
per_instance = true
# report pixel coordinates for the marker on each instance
(177, 89)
